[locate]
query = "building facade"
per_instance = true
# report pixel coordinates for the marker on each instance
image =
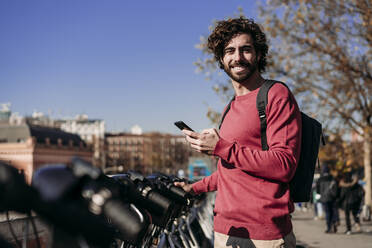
(146, 153)
(28, 147)
(92, 131)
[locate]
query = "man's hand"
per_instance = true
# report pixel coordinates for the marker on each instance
(186, 187)
(203, 142)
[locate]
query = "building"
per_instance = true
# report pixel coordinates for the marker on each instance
(146, 153)
(5, 112)
(92, 131)
(126, 151)
(29, 147)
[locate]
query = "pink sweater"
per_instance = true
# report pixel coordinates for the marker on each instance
(252, 185)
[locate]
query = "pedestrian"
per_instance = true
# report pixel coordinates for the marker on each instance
(327, 186)
(253, 205)
(351, 196)
(318, 210)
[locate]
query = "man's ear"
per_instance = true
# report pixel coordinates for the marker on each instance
(221, 63)
(258, 56)
(222, 56)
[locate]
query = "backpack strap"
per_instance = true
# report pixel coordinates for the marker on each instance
(227, 110)
(261, 103)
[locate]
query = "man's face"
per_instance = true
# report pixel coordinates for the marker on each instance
(240, 58)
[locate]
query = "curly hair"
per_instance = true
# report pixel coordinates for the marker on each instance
(228, 29)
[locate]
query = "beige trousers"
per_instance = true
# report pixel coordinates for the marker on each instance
(223, 241)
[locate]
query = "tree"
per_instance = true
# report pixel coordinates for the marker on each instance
(322, 49)
(340, 155)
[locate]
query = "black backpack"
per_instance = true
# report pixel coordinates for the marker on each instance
(301, 183)
(331, 191)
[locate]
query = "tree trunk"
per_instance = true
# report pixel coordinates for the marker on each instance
(367, 167)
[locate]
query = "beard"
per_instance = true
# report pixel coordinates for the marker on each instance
(240, 77)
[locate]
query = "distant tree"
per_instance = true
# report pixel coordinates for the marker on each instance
(323, 50)
(340, 154)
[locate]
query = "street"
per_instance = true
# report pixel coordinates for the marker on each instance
(310, 233)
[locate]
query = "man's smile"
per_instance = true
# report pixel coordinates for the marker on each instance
(239, 68)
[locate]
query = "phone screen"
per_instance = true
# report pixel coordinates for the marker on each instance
(181, 125)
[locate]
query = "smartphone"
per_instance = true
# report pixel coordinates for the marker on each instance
(181, 125)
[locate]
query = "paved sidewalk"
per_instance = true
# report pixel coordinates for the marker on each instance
(310, 233)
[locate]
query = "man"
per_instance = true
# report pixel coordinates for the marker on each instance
(327, 187)
(350, 200)
(253, 205)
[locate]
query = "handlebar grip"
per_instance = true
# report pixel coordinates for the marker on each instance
(130, 222)
(178, 191)
(159, 204)
(182, 196)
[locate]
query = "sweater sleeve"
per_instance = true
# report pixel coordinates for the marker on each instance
(284, 140)
(207, 184)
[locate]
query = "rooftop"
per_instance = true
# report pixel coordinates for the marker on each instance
(20, 133)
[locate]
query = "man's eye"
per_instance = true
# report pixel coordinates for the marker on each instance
(247, 49)
(229, 51)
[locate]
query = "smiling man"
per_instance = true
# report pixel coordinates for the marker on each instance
(253, 204)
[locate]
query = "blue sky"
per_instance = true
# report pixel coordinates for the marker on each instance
(126, 62)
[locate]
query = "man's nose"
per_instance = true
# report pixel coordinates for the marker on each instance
(238, 56)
